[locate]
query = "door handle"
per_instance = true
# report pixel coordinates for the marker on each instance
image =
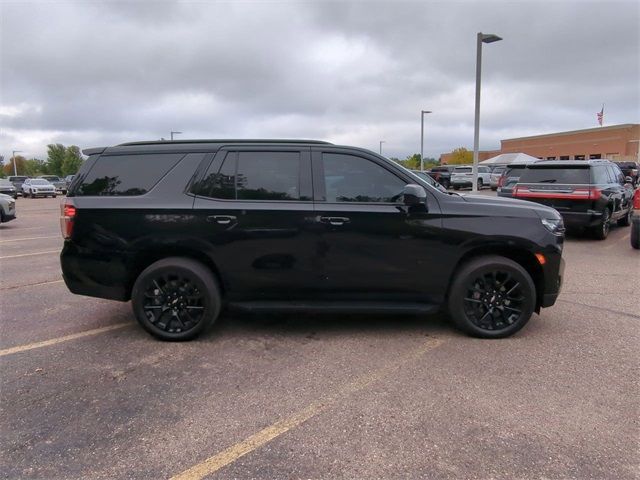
(222, 219)
(335, 220)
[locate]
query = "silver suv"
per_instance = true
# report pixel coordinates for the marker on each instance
(463, 177)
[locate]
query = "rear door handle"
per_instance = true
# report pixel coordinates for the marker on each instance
(335, 220)
(222, 219)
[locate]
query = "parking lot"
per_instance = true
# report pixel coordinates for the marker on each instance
(86, 393)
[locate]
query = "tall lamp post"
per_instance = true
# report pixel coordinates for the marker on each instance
(381, 142)
(13, 158)
(176, 133)
(482, 38)
(422, 112)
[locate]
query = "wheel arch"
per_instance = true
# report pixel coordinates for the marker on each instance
(521, 256)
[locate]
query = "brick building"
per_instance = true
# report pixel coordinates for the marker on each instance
(617, 142)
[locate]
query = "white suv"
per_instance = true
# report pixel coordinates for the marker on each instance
(37, 187)
(463, 177)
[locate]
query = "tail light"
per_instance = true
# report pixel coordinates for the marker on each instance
(586, 193)
(67, 217)
(636, 199)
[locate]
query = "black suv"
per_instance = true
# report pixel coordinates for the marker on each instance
(588, 193)
(442, 174)
(186, 228)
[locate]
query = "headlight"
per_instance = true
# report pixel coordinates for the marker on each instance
(554, 225)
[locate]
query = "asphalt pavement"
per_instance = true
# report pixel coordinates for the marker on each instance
(85, 393)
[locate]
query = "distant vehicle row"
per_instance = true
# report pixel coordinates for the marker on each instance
(21, 185)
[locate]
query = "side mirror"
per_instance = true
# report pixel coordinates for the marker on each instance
(414, 195)
(628, 180)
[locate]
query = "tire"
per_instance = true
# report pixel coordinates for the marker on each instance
(635, 232)
(483, 293)
(626, 220)
(456, 187)
(176, 299)
(480, 184)
(601, 232)
(494, 189)
(54, 195)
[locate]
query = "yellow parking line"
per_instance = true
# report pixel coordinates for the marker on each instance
(29, 254)
(251, 443)
(55, 341)
(32, 284)
(29, 238)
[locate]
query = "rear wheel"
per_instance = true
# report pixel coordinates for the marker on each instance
(626, 220)
(635, 232)
(480, 184)
(176, 298)
(602, 230)
(491, 297)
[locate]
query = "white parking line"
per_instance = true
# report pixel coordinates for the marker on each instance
(28, 238)
(29, 254)
(66, 338)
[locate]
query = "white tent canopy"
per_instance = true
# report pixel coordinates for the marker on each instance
(507, 158)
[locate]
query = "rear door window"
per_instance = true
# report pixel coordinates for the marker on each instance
(557, 175)
(126, 175)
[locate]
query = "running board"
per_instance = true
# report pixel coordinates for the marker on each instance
(382, 308)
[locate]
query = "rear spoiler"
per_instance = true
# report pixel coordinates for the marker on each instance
(93, 151)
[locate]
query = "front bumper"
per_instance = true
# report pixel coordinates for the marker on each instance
(554, 276)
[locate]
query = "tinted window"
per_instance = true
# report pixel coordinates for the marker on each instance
(39, 182)
(462, 170)
(618, 174)
(556, 175)
(253, 176)
(127, 174)
(599, 174)
(355, 179)
(268, 176)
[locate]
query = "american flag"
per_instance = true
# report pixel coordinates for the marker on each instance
(600, 115)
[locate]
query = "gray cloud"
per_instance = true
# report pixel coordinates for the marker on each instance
(350, 72)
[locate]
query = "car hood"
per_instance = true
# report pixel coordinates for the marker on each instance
(504, 203)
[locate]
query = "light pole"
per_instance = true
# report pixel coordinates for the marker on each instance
(172, 133)
(422, 138)
(13, 157)
(381, 142)
(482, 38)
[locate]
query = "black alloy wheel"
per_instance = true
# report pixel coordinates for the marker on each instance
(601, 232)
(176, 299)
(492, 297)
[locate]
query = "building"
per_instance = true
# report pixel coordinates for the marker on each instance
(617, 142)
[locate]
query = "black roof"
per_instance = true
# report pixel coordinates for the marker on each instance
(155, 146)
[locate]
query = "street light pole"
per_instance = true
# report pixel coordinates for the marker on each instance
(13, 158)
(422, 112)
(482, 38)
(381, 142)
(172, 133)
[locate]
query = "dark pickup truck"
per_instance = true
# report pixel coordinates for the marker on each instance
(442, 174)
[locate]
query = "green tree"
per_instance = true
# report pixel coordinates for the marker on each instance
(20, 164)
(55, 156)
(34, 167)
(461, 156)
(72, 161)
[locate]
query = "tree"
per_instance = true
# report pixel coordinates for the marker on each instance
(55, 156)
(20, 164)
(72, 161)
(461, 156)
(34, 167)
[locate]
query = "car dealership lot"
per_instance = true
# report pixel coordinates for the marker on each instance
(315, 396)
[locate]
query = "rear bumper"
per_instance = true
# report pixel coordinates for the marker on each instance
(589, 218)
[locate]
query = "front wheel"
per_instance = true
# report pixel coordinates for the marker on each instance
(176, 298)
(480, 184)
(491, 297)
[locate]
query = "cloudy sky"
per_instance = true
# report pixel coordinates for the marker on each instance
(96, 73)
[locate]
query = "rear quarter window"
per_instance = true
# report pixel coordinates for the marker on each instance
(560, 175)
(126, 175)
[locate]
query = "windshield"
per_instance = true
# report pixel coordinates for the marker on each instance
(39, 182)
(51, 178)
(462, 170)
(17, 179)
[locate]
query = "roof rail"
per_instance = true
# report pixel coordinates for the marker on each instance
(237, 140)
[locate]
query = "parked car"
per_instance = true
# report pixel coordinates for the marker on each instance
(630, 169)
(494, 178)
(635, 221)
(463, 177)
(38, 187)
(427, 178)
(7, 188)
(588, 194)
(185, 228)
(509, 178)
(17, 181)
(7, 208)
(442, 174)
(60, 184)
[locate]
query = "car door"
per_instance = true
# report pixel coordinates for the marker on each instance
(624, 189)
(253, 207)
(369, 245)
